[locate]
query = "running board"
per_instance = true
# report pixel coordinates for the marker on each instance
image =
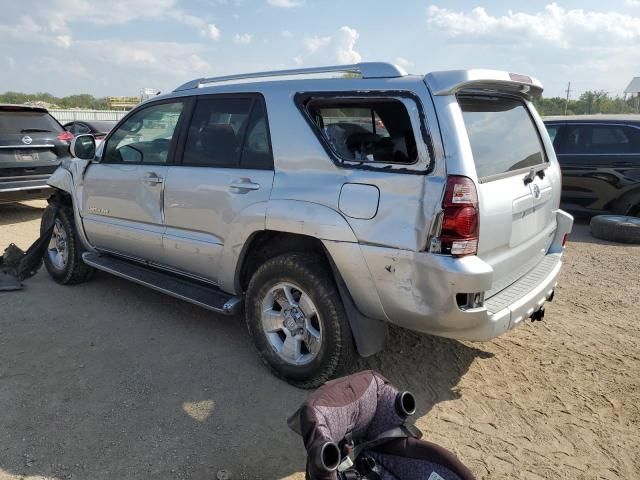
(206, 296)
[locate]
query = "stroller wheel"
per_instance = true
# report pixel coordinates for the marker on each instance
(296, 318)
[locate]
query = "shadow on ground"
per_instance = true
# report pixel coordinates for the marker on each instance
(112, 380)
(19, 212)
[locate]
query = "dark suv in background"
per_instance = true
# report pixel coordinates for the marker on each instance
(600, 160)
(32, 144)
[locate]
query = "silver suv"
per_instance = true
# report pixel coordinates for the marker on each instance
(327, 202)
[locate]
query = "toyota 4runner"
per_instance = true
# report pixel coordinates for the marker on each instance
(326, 202)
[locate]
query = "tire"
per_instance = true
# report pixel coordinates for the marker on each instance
(319, 357)
(616, 228)
(65, 266)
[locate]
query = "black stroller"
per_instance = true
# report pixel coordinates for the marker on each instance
(354, 428)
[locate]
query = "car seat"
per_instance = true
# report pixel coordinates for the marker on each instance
(354, 428)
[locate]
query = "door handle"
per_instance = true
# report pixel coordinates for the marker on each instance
(153, 178)
(243, 185)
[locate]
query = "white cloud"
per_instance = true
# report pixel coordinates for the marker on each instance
(345, 40)
(242, 39)
(64, 40)
(298, 60)
(286, 34)
(632, 3)
(566, 28)
(285, 3)
(212, 31)
(403, 62)
(336, 48)
(313, 44)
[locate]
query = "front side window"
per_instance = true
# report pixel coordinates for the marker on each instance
(502, 134)
(146, 136)
(365, 130)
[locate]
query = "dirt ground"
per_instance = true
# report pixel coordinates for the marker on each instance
(111, 380)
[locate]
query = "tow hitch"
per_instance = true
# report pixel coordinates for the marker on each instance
(538, 315)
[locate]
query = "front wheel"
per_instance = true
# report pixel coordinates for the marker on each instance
(63, 257)
(297, 320)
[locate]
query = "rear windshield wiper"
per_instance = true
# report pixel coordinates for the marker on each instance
(31, 130)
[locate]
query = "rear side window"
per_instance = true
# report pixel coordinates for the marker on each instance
(229, 132)
(24, 121)
(584, 139)
(552, 130)
(365, 130)
(502, 135)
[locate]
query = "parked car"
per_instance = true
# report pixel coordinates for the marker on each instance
(98, 128)
(232, 191)
(600, 160)
(32, 144)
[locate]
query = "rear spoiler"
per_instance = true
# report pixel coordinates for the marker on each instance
(454, 81)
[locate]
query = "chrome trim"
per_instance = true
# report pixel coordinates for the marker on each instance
(22, 189)
(30, 147)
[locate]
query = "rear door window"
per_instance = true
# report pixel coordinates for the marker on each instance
(502, 135)
(24, 121)
(216, 131)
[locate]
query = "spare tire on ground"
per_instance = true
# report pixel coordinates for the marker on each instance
(616, 228)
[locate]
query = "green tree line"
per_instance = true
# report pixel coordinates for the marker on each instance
(83, 100)
(589, 102)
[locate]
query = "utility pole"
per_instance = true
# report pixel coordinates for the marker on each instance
(566, 104)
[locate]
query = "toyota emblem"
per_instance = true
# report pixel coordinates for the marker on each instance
(27, 140)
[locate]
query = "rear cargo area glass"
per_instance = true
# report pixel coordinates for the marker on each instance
(17, 122)
(502, 134)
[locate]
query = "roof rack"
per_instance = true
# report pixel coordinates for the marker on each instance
(365, 69)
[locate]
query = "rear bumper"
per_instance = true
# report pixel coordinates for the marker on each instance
(17, 189)
(418, 290)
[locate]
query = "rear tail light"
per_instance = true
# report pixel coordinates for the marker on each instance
(460, 225)
(65, 136)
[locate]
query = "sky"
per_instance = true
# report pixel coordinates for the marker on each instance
(119, 47)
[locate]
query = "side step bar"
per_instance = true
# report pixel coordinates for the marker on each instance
(206, 296)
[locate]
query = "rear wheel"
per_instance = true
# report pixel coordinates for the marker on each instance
(63, 257)
(297, 321)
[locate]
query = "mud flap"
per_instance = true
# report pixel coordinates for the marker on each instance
(369, 334)
(16, 265)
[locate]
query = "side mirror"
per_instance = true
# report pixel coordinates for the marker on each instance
(83, 147)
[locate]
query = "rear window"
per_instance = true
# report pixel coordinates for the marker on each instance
(366, 130)
(502, 134)
(21, 121)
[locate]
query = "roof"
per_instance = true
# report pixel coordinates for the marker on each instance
(634, 86)
(611, 117)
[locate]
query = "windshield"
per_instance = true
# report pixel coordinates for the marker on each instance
(24, 121)
(502, 134)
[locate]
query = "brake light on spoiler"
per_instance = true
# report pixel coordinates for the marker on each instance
(516, 77)
(460, 223)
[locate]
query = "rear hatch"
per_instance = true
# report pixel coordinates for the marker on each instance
(29, 143)
(516, 201)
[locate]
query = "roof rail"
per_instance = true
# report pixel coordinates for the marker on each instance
(365, 69)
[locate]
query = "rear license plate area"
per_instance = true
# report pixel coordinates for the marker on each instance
(27, 156)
